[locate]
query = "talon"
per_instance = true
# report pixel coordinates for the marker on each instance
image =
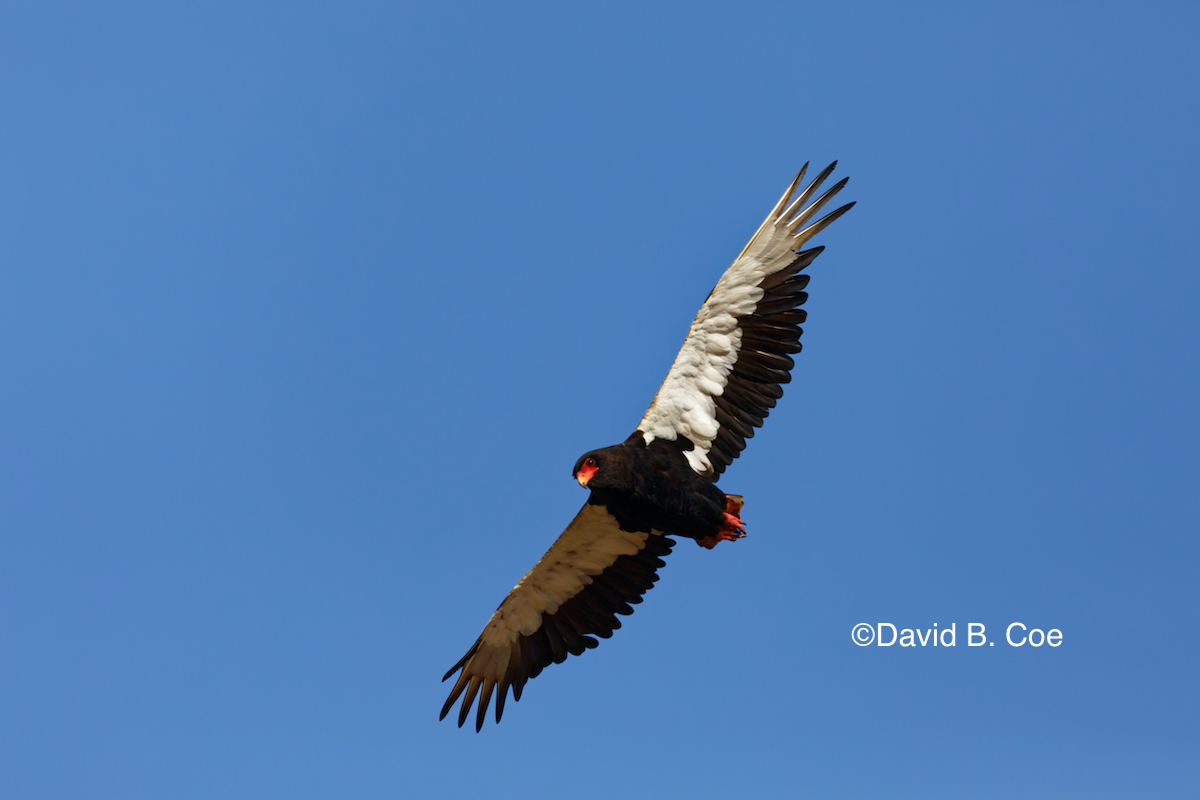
(732, 526)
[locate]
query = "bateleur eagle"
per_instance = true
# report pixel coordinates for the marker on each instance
(661, 481)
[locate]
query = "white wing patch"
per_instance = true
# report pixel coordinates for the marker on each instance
(684, 404)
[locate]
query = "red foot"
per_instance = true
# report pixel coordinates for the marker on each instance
(732, 526)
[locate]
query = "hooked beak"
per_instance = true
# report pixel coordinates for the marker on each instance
(584, 475)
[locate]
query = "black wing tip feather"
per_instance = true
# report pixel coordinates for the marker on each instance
(825, 173)
(823, 223)
(462, 662)
(832, 215)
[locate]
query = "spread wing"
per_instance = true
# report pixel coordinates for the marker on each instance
(591, 574)
(729, 371)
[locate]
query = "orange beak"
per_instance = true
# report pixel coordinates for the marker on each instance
(585, 474)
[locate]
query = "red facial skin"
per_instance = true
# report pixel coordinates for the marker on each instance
(586, 472)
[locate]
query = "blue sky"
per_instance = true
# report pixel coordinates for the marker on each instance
(307, 311)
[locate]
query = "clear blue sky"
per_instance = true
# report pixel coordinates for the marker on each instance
(306, 312)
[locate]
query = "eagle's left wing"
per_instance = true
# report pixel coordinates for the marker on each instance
(729, 372)
(590, 574)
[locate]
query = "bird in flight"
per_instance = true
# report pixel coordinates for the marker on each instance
(661, 481)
